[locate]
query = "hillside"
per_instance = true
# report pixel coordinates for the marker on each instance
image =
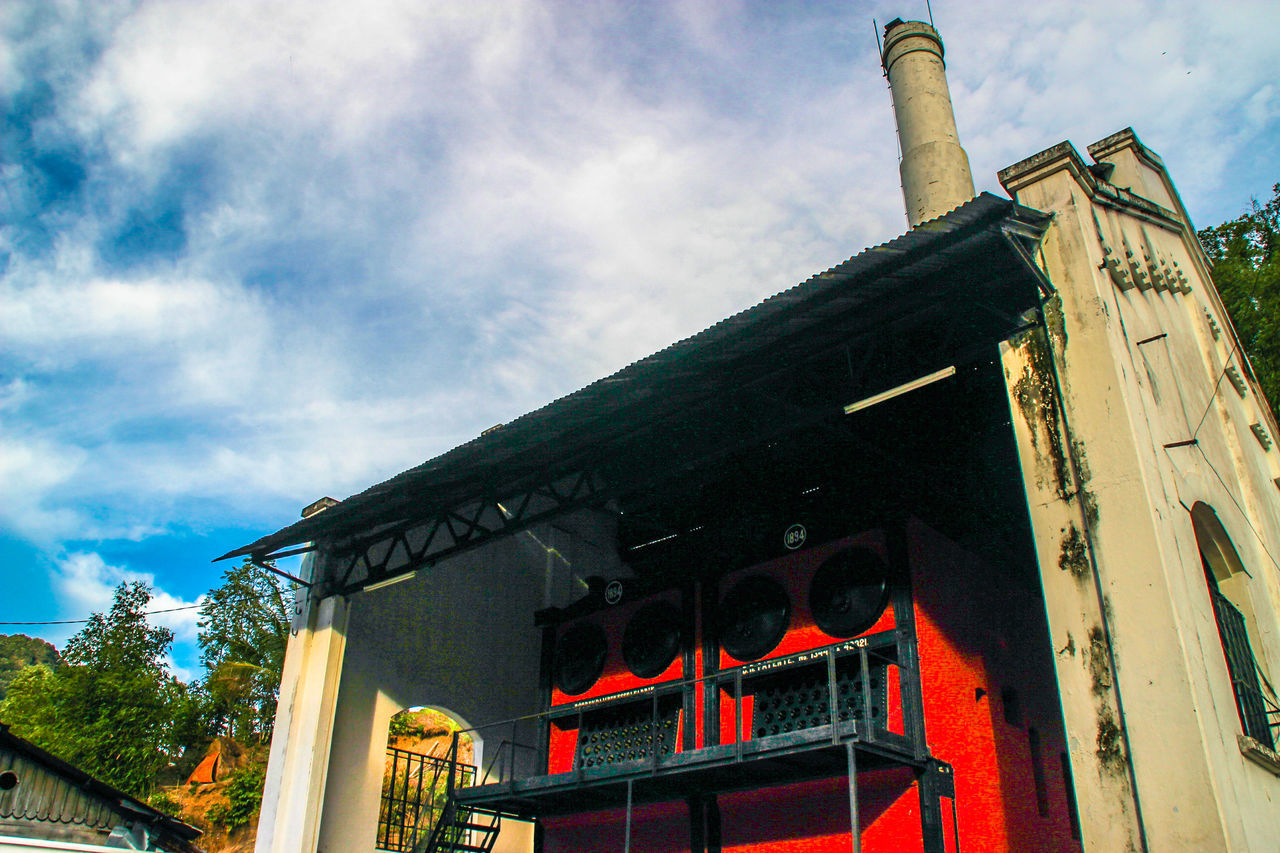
(19, 650)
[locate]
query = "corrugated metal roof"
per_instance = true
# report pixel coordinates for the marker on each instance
(50, 790)
(869, 283)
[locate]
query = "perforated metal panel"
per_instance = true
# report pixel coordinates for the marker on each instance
(798, 700)
(628, 733)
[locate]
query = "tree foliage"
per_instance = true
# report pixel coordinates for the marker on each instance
(1246, 269)
(244, 798)
(18, 651)
(113, 711)
(244, 628)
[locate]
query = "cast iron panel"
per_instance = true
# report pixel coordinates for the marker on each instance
(629, 732)
(797, 700)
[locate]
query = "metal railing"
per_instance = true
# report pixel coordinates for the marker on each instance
(415, 789)
(838, 681)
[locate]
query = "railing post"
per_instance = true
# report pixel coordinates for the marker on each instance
(866, 694)
(653, 732)
(577, 753)
(833, 700)
(452, 768)
(737, 712)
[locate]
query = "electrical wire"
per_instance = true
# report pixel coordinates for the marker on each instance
(1261, 542)
(1237, 347)
(153, 612)
(1209, 405)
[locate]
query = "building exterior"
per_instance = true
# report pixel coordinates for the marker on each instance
(968, 542)
(47, 804)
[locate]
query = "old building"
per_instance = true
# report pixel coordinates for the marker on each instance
(968, 542)
(47, 804)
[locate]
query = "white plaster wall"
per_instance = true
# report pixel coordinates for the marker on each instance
(1124, 401)
(458, 637)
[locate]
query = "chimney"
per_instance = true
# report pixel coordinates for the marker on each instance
(935, 169)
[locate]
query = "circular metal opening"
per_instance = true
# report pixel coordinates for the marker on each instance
(753, 618)
(579, 659)
(849, 592)
(651, 640)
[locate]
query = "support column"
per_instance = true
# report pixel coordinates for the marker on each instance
(293, 796)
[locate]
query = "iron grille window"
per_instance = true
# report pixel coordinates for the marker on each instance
(1250, 702)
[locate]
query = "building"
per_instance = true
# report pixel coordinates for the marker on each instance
(47, 804)
(968, 542)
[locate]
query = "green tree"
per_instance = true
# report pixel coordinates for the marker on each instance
(244, 628)
(18, 651)
(1246, 269)
(111, 710)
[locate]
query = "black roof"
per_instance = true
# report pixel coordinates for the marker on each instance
(873, 290)
(70, 795)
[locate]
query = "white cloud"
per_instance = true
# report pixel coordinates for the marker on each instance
(401, 222)
(29, 470)
(85, 583)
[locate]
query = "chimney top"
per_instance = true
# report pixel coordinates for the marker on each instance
(935, 170)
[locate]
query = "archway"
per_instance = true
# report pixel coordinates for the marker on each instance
(427, 749)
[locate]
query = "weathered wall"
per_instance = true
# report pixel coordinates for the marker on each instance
(1125, 421)
(415, 643)
(458, 636)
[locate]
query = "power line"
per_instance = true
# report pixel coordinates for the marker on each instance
(1262, 543)
(151, 612)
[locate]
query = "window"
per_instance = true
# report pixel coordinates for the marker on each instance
(1226, 579)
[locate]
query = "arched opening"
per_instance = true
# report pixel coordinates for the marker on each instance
(1228, 582)
(427, 751)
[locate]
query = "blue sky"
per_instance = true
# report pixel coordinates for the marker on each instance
(252, 253)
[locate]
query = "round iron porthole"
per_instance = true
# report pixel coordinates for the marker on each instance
(579, 658)
(849, 592)
(754, 616)
(651, 640)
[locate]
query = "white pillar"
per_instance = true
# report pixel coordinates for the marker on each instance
(935, 170)
(293, 797)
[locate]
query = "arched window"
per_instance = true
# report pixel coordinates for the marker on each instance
(1226, 579)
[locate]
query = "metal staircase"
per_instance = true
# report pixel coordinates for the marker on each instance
(462, 829)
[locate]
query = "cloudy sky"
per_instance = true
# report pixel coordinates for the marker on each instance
(252, 253)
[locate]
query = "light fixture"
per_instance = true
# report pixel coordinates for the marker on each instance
(389, 581)
(900, 390)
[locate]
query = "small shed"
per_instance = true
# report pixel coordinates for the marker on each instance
(45, 799)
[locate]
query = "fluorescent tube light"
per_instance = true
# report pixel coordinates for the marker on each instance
(900, 390)
(389, 581)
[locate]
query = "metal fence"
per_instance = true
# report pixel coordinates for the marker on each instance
(414, 790)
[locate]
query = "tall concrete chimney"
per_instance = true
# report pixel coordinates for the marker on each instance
(935, 169)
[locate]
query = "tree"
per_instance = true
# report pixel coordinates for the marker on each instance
(244, 628)
(18, 651)
(1246, 269)
(111, 710)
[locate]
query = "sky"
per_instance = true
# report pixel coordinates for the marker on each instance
(253, 253)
